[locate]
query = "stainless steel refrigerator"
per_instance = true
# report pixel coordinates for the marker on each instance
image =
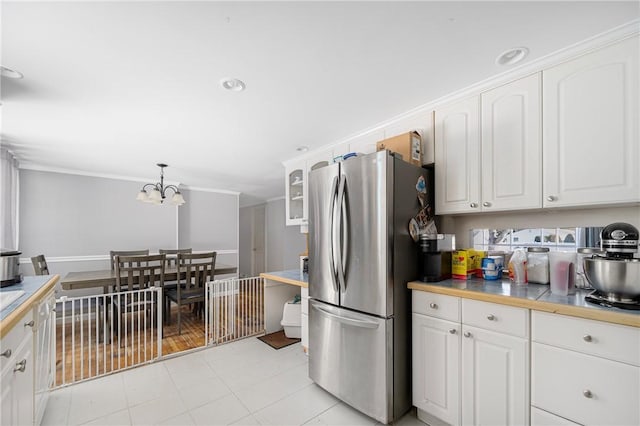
(361, 256)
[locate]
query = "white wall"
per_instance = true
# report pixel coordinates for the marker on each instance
(602, 216)
(284, 243)
(76, 220)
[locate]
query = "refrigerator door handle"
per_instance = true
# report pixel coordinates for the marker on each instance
(341, 228)
(332, 231)
(347, 321)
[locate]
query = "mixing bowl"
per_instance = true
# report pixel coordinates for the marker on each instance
(616, 277)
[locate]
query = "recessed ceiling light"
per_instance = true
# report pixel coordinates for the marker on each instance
(233, 84)
(512, 56)
(8, 72)
(302, 149)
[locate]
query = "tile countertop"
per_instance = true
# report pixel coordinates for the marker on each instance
(34, 288)
(292, 276)
(531, 296)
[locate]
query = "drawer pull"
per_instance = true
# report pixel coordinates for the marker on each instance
(552, 198)
(6, 353)
(433, 306)
(486, 204)
(587, 338)
(20, 366)
(587, 393)
(452, 331)
(29, 324)
(467, 334)
(473, 205)
(490, 317)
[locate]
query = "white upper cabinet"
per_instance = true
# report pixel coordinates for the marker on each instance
(512, 146)
(295, 193)
(457, 157)
(591, 146)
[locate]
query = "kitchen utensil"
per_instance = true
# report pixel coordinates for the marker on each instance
(616, 278)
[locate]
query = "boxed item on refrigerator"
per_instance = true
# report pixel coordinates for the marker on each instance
(408, 145)
(466, 263)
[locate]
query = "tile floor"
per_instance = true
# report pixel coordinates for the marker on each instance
(244, 383)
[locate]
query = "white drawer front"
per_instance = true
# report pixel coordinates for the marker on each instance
(436, 305)
(495, 317)
(613, 341)
(584, 388)
(14, 338)
(543, 418)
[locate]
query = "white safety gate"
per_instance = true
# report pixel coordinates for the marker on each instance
(98, 335)
(234, 309)
(102, 334)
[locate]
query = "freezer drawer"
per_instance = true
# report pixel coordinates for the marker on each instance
(351, 356)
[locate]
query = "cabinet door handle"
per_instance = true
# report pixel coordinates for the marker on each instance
(467, 334)
(452, 331)
(587, 338)
(490, 317)
(486, 204)
(587, 393)
(20, 366)
(29, 324)
(473, 205)
(6, 353)
(551, 198)
(433, 306)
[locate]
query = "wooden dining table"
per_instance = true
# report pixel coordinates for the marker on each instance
(107, 278)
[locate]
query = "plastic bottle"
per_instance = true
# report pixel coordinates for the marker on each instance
(518, 267)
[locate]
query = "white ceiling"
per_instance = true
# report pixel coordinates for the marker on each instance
(113, 88)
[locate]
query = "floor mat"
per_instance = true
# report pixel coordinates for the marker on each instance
(278, 340)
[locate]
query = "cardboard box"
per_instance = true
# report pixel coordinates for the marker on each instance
(467, 263)
(408, 145)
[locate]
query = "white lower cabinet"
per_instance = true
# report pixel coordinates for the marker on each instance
(17, 375)
(436, 367)
(544, 418)
(495, 378)
(304, 319)
(474, 370)
(576, 372)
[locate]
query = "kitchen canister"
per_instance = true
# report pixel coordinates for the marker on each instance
(538, 265)
(562, 272)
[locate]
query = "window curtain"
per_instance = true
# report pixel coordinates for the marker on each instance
(8, 200)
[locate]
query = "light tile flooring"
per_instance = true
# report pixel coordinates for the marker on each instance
(244, 383)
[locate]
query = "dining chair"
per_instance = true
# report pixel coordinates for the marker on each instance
(199, 268)
(114, 253)
(172, 255)
(136, 273)
(40, 265)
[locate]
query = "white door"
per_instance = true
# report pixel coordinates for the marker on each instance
(495, 378)
(436, 367)
(457, 157)
(591, 148)
(512, 146)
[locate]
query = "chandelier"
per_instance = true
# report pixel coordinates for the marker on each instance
(158, 190)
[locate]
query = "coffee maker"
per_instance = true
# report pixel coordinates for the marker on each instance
(435, 256)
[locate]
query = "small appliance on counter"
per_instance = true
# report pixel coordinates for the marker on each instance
(615, 276)
(435, 256)
(9, 267)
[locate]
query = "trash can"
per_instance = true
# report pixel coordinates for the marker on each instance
(291, 320)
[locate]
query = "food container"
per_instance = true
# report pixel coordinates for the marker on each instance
(562, 272)
(490, 269)
(538, 265)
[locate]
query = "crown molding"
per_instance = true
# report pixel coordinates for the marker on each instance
(611, 36)
(202, 189)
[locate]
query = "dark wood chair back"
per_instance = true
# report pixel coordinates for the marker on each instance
(114, 253)
(139, 272)
(198, 269)
(40, 265)
(172, 255)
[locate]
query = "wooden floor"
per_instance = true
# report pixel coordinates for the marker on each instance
(86, 356)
